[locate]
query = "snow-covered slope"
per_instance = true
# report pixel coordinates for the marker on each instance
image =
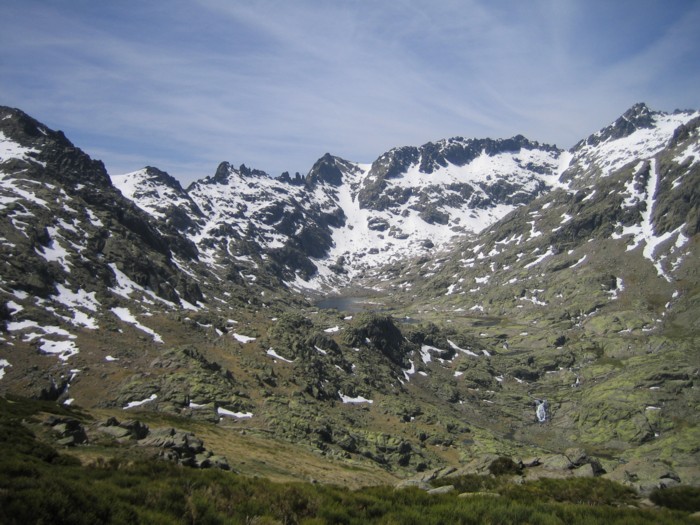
(75, 253)
(413, 201)
(343, 218)
(161, 196)
(639, 133)
(626, 213)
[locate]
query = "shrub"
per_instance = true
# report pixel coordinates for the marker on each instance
(678, 498)
(469, 483)
(504, 466)
(589, 491)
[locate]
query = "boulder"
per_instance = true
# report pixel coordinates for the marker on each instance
(220, 462)
(136, 429)
(161, 438)
(109, 422)
(556, 462)
(407, 483)
(577, 456)
(70, 431)
(479, 494)
(183, 448)
(114, 431)
(539, 473)
(445, 489)
(437, 473)
(584, 471)
(478, 465)
(202, 459)
(530, 462)
(667, 483)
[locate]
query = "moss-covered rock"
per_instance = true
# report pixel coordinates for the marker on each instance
(381, 333)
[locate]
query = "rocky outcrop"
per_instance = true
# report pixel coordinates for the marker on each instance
(183, 382)
(169, 444)
(68, 432)
(131, 429)
(644, 475)
(574, 463)
(381, 333)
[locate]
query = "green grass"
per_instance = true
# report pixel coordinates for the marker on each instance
(40, 485)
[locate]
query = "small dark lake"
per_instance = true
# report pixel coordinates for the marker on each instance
(350, 304)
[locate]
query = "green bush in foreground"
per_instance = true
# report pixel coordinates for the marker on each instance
(152, 492)
(504, 466)
(585, 491)
(679, 498)
(470, 483)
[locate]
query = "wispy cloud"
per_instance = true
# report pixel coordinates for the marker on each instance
(275, 84)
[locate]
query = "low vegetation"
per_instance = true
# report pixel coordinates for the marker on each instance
(38, 484)
(680, 498)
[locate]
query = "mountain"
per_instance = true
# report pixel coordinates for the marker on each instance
(344, 218)
(520, 301)
(592, 290)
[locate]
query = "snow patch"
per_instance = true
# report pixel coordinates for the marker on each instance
(271, 352)
(63, 349)
(548, 253)
(75, 300)
(125, 315)
(358, 399)
(425, 353)
(4, 363)
(238, 415)
(243, 338)
(125, 287)
(134, 404)
(644, 231)
(410, 371)
(54, 251)
(579, 262)
(463, 350)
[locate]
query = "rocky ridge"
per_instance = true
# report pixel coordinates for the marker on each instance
(322, 230)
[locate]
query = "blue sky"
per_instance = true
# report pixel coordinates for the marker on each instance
(183, 85)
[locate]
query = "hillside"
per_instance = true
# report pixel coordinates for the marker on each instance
(519, 301)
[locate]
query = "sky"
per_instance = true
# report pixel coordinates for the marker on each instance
(274, 84)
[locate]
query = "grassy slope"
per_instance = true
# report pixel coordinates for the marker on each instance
(39, 485)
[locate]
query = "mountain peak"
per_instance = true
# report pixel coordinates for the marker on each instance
(43, 153)
(222, 173)
(638, 134)
(325, 170)
(23, 125)
(163, 177)
(639, 116)
(638, 109)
